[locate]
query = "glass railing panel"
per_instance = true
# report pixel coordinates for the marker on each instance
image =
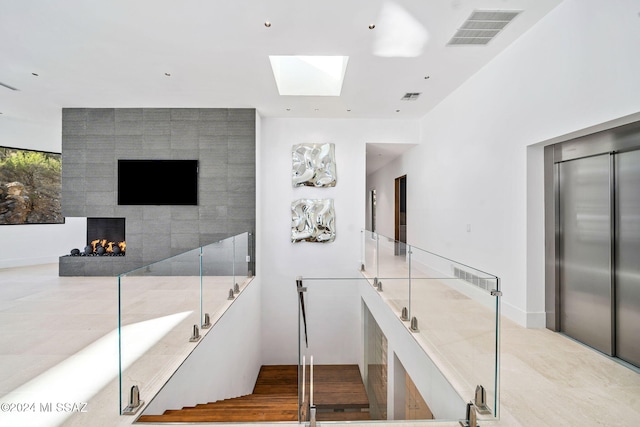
(217, 277)
(395, 292)
(387, 266)
(429, 265)
(368, 364)
(331, 340)
(460, 305)
(165, 306)
(158, 306)
(393, 258)
(369, 253)
(242, 256)
(457, 323)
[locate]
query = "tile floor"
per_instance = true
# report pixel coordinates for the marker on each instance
(547, 379)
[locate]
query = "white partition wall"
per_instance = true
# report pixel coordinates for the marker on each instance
(473, 193)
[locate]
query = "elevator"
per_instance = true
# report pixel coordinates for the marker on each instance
(592, 204)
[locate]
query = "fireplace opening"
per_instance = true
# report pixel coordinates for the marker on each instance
(105, 237)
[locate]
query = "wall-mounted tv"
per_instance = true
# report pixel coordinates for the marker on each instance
(157, 182)
(30, 187)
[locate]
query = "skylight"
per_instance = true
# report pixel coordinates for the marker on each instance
(309, 75)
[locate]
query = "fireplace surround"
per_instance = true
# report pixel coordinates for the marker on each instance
(223, 142)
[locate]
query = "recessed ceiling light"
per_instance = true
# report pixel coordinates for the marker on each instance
(397, 111)
(348, 110)
(267, 24)
(372, 26)
(35, 74)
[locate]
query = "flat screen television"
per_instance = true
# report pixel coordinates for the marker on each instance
(157, 182)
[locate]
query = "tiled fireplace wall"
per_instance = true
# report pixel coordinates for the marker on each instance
(222, 140)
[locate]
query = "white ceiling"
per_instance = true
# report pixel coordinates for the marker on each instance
(115, 53)
(380, 154)
(96, 53)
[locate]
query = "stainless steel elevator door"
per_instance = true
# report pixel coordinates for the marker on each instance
(584, 187)
(628, 257)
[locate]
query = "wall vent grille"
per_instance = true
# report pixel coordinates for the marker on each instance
(482, 26)
(474, 279)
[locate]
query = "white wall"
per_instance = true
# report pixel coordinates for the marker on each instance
(280, 260)
(225, 363)
(22, 245)
(444, 400)
(34, 244)
(576, 69)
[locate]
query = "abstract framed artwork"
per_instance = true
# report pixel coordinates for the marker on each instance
(313, 220)
(314, 165)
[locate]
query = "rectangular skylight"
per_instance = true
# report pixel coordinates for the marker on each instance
(298, 75)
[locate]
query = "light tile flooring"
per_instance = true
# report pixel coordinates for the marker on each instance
(546, 378)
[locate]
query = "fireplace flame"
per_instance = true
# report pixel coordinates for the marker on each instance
(107, 245)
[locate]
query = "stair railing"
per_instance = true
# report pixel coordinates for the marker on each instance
(303, 399)
(312, 407)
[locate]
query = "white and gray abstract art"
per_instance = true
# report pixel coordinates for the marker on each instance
(313, 220)
(314, 165)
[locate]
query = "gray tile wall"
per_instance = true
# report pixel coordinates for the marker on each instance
(222, 140)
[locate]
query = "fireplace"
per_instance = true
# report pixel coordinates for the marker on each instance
(105, 236)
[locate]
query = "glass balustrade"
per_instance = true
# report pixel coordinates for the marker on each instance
(411, 336)
(164, 307)
(417, 333)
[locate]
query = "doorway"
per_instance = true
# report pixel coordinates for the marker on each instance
(400, 215)
(593, 254)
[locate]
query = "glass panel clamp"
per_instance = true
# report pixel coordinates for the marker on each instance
(134, 402)
(195, 336)
(414, 324)
(207, 321)
(470, 417)
(480, 401)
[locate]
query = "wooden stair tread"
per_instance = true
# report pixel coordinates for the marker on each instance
(343, 416)
(339, 387)
(221, 417)
(275, 398)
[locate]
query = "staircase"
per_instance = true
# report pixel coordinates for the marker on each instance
(338, 389)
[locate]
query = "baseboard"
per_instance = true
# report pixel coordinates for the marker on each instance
(24, 262)
(523, 318)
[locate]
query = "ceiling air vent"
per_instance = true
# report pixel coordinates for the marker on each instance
(410, 96)
(482, 26)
